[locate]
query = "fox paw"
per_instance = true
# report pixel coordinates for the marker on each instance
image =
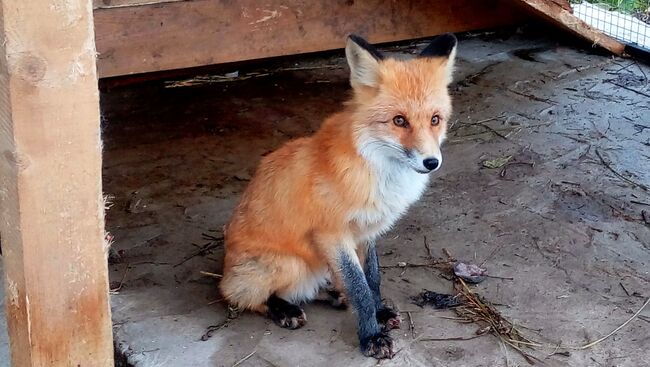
(379, 346)
(337, 300)
(389, 318)
(290, 320)
(285, 314)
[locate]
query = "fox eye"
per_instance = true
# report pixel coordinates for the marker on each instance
(400, 121)
(435, 120)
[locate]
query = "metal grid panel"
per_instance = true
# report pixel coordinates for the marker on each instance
(625, 20)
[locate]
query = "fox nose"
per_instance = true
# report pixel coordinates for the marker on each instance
(431, 163)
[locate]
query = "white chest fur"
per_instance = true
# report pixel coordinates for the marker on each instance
(397, 186)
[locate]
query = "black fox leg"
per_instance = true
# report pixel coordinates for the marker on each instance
(373, 340)
(285, 314)
(386, 316)
(371, 269)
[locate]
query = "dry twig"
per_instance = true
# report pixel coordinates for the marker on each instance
(611, 169)
(483, 124)
(452, 338)
(628, 88)
(474, 309)
(203, 250)
(624, 290)
(119, 287)
(244, 359)
(477, 310)
(534, 98)
(589, 345)
(411, 325)
(207, 273)
(213, 329)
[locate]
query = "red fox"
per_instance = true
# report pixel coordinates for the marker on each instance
(309, 218)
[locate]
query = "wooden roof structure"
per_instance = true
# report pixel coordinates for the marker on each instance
(140, 36)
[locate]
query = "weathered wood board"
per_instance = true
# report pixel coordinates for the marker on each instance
(171, 35)
(108, 4)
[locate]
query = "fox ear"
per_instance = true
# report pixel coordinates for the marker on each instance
(443, 46)
(363, 59)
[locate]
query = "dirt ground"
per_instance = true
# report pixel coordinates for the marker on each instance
(563, 219)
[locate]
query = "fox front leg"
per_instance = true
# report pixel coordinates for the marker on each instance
(374, 341)
(387, 317)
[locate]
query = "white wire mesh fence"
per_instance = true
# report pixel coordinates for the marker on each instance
(625, 20)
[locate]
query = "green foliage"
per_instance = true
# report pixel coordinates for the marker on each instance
(623, 6)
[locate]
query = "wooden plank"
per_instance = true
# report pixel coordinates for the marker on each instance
(551, 11)
(204, 32)
(108, 4)
(51, 205)
(564, 4)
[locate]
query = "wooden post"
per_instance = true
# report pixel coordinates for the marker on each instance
(51, 206)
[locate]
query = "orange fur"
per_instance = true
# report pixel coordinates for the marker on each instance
(306, 198)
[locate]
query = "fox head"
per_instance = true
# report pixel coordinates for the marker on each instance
(401, 106)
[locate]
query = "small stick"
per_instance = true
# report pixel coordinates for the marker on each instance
(623, 67)
(204, 250)
(211, 237)
(589, 345)
(642, 72)
(426, 245)
(411, 325)
(609, 167)
(592, 358)
(598, 131)
(207, 273)
(486, 120)
(532, 164)
(528, 344)
(495, 132)
(529, 358)
(454, 338)
(448, 254)
(452, 318)
(212, 329)
(215, 301)
(407, 265)
(570, 183)
(628, 88)
(555, 351)
(534, 98)
(119, 287)
(498, 277)
(494, 251)
(505, 352)
(625, 290)
(644, 318)
(243, 359)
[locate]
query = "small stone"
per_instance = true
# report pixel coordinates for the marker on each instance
(469, 272)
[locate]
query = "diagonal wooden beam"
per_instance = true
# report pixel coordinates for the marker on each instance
(556, 12)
